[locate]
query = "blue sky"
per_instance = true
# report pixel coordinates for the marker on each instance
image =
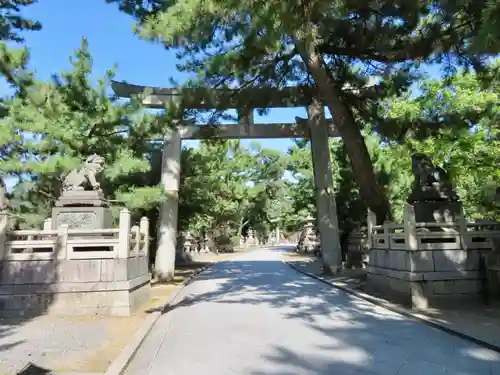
(111, 41)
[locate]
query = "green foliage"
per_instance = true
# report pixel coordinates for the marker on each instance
(465, 138)
(12, 21)
(13, 60)
(222, 183)
(235, 241)
(52, 126)
(335, 47)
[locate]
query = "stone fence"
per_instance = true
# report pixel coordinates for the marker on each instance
(425, 264)
(74, 271)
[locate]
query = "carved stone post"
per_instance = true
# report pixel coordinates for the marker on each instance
(144, 227)
(167, 231)
(124, 234)
(63, 241)
(47, 224)
(419, 294)
(325, 197)
(4, 227)
(410, 228)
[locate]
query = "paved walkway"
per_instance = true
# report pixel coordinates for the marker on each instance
(257, 316)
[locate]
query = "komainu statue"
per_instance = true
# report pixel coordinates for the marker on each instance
(431, 183)
(84, 178)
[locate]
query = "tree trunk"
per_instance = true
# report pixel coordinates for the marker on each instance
(350, 132)
(241, 226)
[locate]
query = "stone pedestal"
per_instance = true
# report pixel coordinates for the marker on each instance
(423, 269)
(86, 274)
(73, 286)
(437, 211)
(82, 210)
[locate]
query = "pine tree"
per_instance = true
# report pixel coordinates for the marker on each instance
(12, 23)
(52, 126)
(223, 183)
(336, 47)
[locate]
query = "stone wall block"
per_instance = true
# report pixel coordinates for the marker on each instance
(398, 260)
(144, 265)
(450, 260)
(108, 268)
(420, 261)
(444, 287)
(121, 267)
(133, 268)
(43, 272)
(118, 298)
(473, 260)
(468, 286)
(12, 272)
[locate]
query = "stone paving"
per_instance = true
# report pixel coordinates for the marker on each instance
(255, 315)
(479, 321)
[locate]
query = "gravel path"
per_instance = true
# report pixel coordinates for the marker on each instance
(255, 315)
(40, 338)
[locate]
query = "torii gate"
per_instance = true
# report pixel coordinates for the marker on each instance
(316, 127)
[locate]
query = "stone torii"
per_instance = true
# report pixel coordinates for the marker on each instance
(316, 127)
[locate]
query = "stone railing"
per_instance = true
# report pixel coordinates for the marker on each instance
(428, 263)
(64, 243)
(421, 237)
(74, 271)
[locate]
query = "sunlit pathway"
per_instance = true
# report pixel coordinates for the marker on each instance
(256, 316)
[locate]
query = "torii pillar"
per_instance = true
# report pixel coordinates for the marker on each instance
(326, 206)
(167, 228)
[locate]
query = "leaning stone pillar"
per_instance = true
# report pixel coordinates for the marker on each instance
(325, 196)
(167, 231)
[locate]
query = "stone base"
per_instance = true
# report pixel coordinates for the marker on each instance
(437, 212)
(82, 217)
(74, 287)
(426, 293)
(76, 198)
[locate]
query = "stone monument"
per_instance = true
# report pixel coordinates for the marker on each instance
(82, 204)
(308, 239)
(433, 196)
(251, 241)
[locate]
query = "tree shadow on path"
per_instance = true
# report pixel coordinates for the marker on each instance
(334, 332)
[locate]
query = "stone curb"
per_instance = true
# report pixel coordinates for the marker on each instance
(400, 310)
(120, 364)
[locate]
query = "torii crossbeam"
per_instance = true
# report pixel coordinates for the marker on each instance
(316, 127)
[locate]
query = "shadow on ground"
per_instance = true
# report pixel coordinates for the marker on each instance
(19, 310)
(345, 335)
